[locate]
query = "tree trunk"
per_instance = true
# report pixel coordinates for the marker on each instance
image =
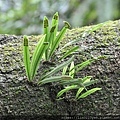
(17, 97)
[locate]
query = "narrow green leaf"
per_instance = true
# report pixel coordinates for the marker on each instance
(86, 79)
(26, 56)
(72, 82)
(66, 24)
(51, 79)
(46, 28)
(50, 40)
(79, 91)
(83, 64)
(37, 55)
(46, 32)
(66, 77)
(90, 30)
(64, 70)
(59, 38)
(69, 52)
(55, 21)
(72, 70)
(71, 43)
(90, 83)
(52, 36)
(89, 92)
(54, 79)
(96, 27)
(59, 67)
(66, 90)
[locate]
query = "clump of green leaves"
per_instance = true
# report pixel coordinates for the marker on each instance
(80, 84)
(45, 49)
(52, 35)
(68, 80)
(46, 45)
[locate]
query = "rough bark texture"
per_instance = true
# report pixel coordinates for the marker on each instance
(17, 97)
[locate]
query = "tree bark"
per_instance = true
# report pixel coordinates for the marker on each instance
(17, 97)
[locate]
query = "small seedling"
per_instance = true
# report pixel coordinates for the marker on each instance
(77, 83)
(52, 35)
(32, 66)
(46, 46)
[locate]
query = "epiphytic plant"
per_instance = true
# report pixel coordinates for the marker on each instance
(53, 37)
(45, 49)
(46, 46)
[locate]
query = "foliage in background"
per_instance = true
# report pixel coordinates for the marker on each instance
(25, 16)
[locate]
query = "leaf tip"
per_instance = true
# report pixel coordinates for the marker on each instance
(45, 22)
(25, 41)
(67, 25)
(56, 16)
(53, 28)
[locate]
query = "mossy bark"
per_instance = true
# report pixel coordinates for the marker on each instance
(17, 97)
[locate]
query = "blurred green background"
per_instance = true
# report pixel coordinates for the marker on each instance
(25, 16)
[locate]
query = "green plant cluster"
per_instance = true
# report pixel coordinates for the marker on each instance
(45, 49)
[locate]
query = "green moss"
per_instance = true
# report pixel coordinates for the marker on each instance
(20, 88)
